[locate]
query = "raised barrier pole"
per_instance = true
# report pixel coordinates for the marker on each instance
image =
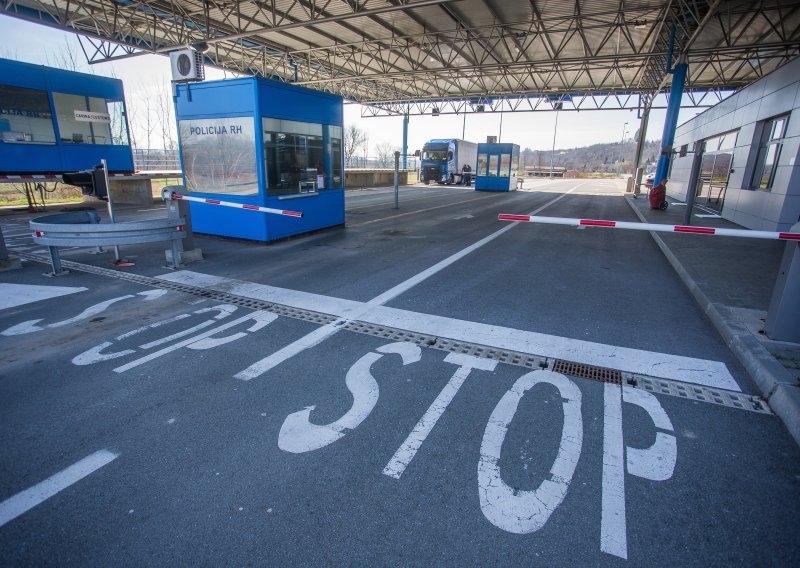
(167, 195)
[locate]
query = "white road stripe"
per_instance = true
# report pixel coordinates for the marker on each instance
(23, 502)
(663, 365)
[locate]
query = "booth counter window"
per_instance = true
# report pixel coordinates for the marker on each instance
(301, 157)
(482, 163)
(25, 116)
(505, 165)
(90, 120)
(219, 155)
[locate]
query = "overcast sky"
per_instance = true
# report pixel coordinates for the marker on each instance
(143, 76)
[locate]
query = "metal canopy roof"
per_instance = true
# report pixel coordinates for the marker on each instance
(410, 55)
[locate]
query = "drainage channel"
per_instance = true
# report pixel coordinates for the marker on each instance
(655, 385)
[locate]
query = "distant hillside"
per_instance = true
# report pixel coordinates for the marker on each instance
(594, 158)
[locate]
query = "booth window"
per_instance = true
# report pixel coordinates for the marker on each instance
(335, 134)
(494, 160)
(90, 120)
(25, 116)
(505, 165)
(481, 165)
(514, 164)
(297, 160)
(219, 155)
(769, 152)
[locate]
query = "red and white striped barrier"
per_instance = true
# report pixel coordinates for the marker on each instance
(247, 206)
(651, 227)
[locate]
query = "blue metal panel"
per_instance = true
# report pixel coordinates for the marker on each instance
(280, 100)
(326, 209)
(202, 100)
(496, 182)
(229, 222)
(26, 158)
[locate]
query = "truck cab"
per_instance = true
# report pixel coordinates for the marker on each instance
(436, 157)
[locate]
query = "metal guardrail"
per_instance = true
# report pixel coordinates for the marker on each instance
(58, 231)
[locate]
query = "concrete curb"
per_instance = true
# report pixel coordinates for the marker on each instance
(775, 382)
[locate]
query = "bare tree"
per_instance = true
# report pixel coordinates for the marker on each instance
(385, 153)
(67, 58)
(166, 121)
(354, 140)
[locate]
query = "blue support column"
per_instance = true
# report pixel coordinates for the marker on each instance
(405, 142)
(671, 121)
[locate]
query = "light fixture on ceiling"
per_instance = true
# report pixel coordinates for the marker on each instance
(435, 111)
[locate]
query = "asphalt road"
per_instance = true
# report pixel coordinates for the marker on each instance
(145, 425)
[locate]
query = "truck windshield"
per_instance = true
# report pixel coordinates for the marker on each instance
(434, 155)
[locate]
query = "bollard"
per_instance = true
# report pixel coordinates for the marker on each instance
(783, 317)
(7, 262)
(180, 252)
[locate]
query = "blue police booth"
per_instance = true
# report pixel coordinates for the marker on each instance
(497, 167)
(260, 142)
(53, 121)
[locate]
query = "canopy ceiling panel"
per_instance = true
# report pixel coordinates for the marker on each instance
(389, 52)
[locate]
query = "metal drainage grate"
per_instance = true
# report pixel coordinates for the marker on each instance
(433, 342)
(698, 393)
(587, 372)
(241, 301)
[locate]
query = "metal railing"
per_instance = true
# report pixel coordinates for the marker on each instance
(154, 159)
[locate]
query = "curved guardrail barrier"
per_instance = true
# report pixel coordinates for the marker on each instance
(61, 230)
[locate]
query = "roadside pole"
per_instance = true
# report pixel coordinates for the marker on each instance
(396, 176)
(110, 203)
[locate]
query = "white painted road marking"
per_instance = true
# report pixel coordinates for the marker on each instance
(261, 319)
(32, 326)
(523, 512)
(656, 463)
(13, 295)
(298, 434)
(651, 363)
(403, 456)
(260, 367)
(23, 502)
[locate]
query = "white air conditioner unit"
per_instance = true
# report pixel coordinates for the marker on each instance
(187, 65)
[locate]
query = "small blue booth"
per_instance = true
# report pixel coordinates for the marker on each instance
(54, 121)
(260, 142)
(497, 167)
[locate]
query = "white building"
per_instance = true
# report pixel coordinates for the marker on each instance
(749, 166)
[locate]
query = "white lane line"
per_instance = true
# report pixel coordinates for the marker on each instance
(13, 295)
(23, 502)
(315, 337)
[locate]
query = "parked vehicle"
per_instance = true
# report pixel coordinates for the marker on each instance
(443, 159)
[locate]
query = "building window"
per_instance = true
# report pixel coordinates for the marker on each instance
(769, 152)
(494, 165)
(25, 116)
(90, 120)
(219, 155)
(301, 157)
